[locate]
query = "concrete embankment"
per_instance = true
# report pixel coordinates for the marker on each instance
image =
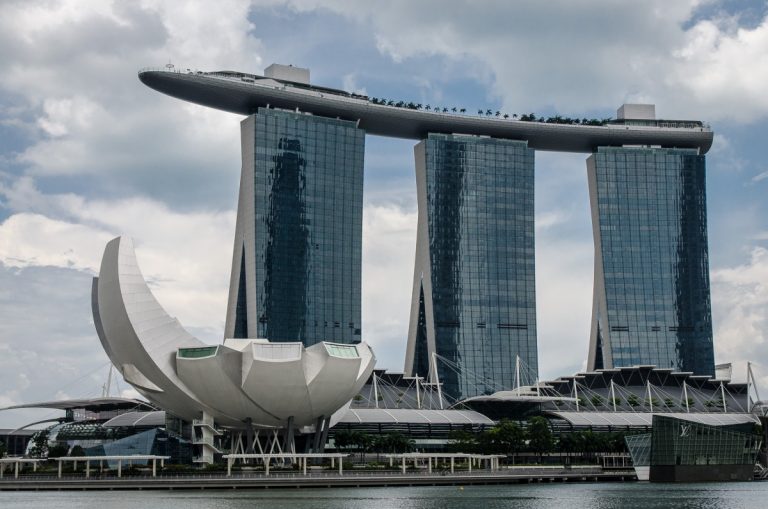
(315, 480)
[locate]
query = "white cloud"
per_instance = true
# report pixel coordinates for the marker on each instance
(564, 304)
(550, 218)
(186, 256)
(583, 56)
(740, 307)
(35, 240)
(350, 84)
(759, 177)
(389, 244)
(165, 172)
(131, 393)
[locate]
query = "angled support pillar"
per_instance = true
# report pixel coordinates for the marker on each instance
(288, 443)
(324, 436)
(249, 436)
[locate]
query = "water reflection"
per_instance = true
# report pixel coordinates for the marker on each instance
(574, 496)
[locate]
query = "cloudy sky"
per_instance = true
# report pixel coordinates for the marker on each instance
(88, 153)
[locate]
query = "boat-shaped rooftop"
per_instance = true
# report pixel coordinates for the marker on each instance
(288, 88)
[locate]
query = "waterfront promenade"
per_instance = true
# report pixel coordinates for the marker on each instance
(330, 479)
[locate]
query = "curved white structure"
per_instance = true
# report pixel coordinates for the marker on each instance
(240, 382)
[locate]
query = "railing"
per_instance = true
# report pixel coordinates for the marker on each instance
(518, 472)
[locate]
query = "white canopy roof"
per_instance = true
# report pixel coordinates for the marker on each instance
(413, 416)
(645, 418)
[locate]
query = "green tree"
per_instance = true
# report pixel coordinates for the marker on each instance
(391, 443)
(507, 437)
(539, 435)
(343, 439)
(363, 442)
(58, 450)
(39, 447)
(462, 441)
(77, 452)
(3, 449)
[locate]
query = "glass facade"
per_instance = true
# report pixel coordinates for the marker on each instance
(476, 297)
(652, 299)
(197, 353)
(156, 441)
(639, 447)
(97, 440)
(307, 203)
(680, 442)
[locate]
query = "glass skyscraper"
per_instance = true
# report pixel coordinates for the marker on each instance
(652, 300)
(473, 300)
(296, 271)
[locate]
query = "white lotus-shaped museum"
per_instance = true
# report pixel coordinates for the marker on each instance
(238, 383)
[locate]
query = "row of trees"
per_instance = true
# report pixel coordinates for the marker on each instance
(361, 442)
(509, 437)
(526, 117)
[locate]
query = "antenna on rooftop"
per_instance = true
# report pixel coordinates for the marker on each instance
(107, 387)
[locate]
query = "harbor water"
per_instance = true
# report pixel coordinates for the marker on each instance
(562, 496)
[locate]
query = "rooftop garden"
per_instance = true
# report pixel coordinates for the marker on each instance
(525, 117)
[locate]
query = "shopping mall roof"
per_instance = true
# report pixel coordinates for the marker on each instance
(643, 419)
(92, 404)
(413, 416)
(137, 419)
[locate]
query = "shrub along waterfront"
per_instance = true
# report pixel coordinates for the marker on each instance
(510, 438)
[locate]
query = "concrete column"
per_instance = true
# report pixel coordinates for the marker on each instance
(391, 460)
(304, 464)
(266, 466)
(430, 464)
(403, 464)
(16, 470)
(119, 468)
(154, 467)
(74, 466)
(341, 465)
(34, 466)
(162, 463)
(452, 464)
(288, 443)
(87, 469)
(2, 470)
(229, 467)
(333, 463)
(470, 464)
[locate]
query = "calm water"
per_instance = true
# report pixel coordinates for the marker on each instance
(593, 496)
